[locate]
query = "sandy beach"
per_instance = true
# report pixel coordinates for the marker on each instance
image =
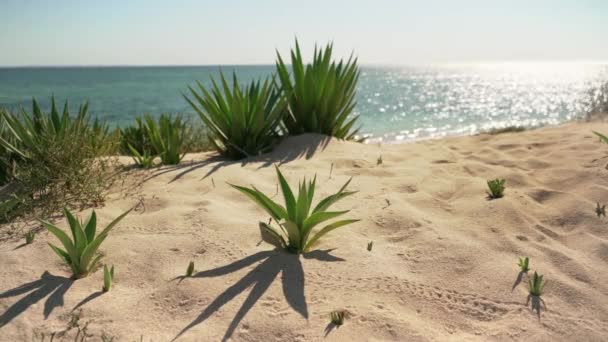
(443, 265)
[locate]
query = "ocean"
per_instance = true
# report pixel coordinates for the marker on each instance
(395, 103)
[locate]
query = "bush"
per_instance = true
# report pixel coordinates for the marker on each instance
(296, 220)
(241, 122)
(321, 95)
(54, 159)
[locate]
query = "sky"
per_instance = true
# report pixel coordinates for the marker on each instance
(395, 32)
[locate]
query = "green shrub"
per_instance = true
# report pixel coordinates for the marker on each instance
(241, 122)
(536, 285)
(80, 251)
(108, 278)
(54, 159)
(497, 188)
(524, 264)
(321, 95)
(145, 160)
(167, 136)
(295, 220)
(135, 136)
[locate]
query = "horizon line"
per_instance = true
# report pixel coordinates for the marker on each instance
(471, 62)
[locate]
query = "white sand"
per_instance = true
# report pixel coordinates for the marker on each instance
(443, 265)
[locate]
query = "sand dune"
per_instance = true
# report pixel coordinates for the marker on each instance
(443, 266)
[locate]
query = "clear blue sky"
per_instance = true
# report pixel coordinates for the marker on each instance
(144, 32)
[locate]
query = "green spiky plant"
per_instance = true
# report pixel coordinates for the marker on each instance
(80, 251)
(321, 95)
(497, 188)
(167, 136)
(370, 245)
(108, 278)
(29, 237)
(135, 136)
(144, 160)
(296, 220)
(602, 137)
(190, 269)
(242, 122)
(536, 285)
(337, 317)
(524, 264)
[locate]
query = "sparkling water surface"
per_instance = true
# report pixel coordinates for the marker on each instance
(394, 103)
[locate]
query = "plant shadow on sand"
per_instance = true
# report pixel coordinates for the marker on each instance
(259, 280)
(49, 285)
(536, 304)
(290, 149)
(518, 280)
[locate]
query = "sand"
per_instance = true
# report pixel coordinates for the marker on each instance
(443, 264)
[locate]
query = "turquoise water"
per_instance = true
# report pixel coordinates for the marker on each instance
(394, 103)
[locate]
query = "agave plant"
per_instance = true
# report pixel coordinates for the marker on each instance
(536, 285)
(80, 251)
(370, 245)
(241, 122)
(321, 95)
(602, 137)
(524, 264)
(296, 220)
(145, 160)
(497, 188)
(108, 278)
(166, 137)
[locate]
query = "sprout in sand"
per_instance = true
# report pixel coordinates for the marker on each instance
(80, 251)
(337, 317)
(536, 285)
(497, 188)
(190, 269)
(296, 220)
(600, 210)
(108, 278)
(524, 264)
(370, 245)
(29, 237)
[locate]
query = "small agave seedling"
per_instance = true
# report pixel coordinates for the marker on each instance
(536, 285)
(190, 269)
(379, 161)
(296, 220)
(337, 317)
(108, 278)
(524, 264)
(497, 187)
(29, 237)
(80, 251)
(370, 245)
(145, 160)
(600, 210)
